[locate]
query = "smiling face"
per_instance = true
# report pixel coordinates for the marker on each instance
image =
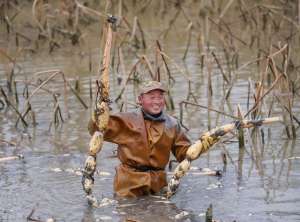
(152, 102)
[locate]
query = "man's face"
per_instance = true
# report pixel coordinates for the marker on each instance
(152, 102)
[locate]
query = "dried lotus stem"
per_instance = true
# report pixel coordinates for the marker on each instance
(8, 103)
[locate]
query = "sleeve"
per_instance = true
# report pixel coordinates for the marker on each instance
(113, 132)
(181, 144)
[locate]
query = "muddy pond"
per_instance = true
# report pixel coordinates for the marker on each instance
(260, 184)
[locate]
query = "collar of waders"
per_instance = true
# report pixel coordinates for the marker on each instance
(159, 117)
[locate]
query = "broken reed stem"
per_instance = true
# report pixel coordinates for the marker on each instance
(209, 214)
(289, 91)
(181, 116)
(133, 33)
(77, 95)
(235, 61)
(133, 36)
(220, 67)
(248, 93)
(27, 110)
(43, 83)
(292, 123)
(124, 82)
(190, 92)
(157, 64)
(60, 114)
(228, 155)
(25, 94)
(291, 21)
(170, 101)
(209, 108)
(228, 63)
(209, 104)
(241, 154)
(2, 104)
(34, 16)
(142, 34)
(165, 62)
(221, 108)
(241, 139)
(77, 85)
(10, 76)
(175, 64)
(90, 88)
(16, 93)
(227, 94)
(209, 83)
(144, 7)
(287, 109)
(57, 116)
(16, 157)
(271, 107)
(181, 112)
(225, 9)
(120, 9)
(8, 142)
(266, 93)
(148, 64)
(189, 37)
(202, 58)
(66, 83)
(257, 96)
(66, 95)
(122, 65)
(226, 31)
(90, 11)
(8, 103)
(171, 23)
(224, 160)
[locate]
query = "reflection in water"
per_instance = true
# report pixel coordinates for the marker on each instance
(88, 214)
(145, 209)
(270, 162)
(240, 165)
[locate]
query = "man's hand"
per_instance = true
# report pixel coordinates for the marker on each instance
(207, 142)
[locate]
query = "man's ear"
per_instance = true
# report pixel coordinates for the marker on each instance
(139, 100)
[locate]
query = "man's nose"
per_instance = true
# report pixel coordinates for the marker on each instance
(157, 100)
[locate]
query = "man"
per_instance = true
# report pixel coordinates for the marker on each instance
(145, 140)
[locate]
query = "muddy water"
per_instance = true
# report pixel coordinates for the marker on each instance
(265, 187)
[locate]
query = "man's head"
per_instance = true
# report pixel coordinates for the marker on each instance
(151, 97)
